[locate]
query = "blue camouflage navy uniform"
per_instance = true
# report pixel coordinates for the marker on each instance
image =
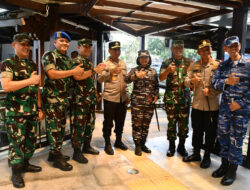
(232, 126)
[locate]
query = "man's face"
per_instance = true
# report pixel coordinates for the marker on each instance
(233, 50)
(22, 49)
(115, 53)
(62, 44)
(205, 52)
(177, 50)
(85, 50)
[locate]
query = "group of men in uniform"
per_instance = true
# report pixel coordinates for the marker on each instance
(24, 109)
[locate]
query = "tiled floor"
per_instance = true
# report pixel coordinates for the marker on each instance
(104, 172)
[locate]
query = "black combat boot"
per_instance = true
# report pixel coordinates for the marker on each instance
(59, 162)
(108, 148)
(138, 149)
(222, 170)
(230, 176)
(51, 157)
(206, 161)
(78, 156)
(87, 147)
(144, 148)
(16, 177)
(196, 156)
(119, 144)
(27, 167)
(171, 149)
(181, 148)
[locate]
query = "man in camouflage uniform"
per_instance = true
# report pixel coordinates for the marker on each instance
(232, 78)
(145, 94)
(58, 70)
(176, 97)
(84, 100)
(20, 81)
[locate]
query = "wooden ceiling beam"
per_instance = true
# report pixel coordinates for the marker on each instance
(123, 14)
(73, 1)
(181, 21)
(143, 8)
(28, 5)
(137, 22)
(233, 4)
(179, 3)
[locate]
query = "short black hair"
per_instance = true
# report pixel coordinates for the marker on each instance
(149, 63)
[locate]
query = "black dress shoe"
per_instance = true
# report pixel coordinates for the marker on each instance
(79, 157)
(222, 170)
(60, 163)
(51, 157)
(120, 145)
(31, 168)
(145, 149)
(90, 150)
(230, 176)
(16, 178)
(206, 161)
(192, 158)
(108, 149)
(138, 150)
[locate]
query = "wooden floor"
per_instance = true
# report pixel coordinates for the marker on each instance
(105, 172)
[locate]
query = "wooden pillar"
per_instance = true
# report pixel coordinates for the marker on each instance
(53, 22)
(99, 60)
(239, 25)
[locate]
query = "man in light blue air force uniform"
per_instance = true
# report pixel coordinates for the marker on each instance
(232, 78)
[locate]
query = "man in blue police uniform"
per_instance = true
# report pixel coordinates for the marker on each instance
(232, 78)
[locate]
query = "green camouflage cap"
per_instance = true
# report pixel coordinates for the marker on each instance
(84, 42)
(22, 37)
(176, 43)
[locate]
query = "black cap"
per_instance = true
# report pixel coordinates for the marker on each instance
(115, 44)
(204, 43)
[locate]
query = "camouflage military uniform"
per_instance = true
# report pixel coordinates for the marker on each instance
(55, 97)
(21, 110)
(84, 100)
(177, 98)
(232, 125)
(142, 109)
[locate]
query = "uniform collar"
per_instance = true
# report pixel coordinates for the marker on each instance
(20, 59)
(59, 53)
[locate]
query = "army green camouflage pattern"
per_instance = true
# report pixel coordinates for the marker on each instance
(177, 113)
(84, 100)
(55, 123)
(22, 137)
(84, 90)
(22, 37)
(56, 91)
(84, 42)
(176, 92)
(83, 119)
(21, 102)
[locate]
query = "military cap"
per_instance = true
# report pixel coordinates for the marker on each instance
(22, 37)
(84, 42)
(115, 44)
(176, 43)
(204, 43)
(61, 34)
(143, 53)
(231, 40)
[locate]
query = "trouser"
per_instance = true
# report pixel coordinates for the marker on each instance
(201, 123)
(141, 118)
(113, 112)
(83, 118)
(55, 123)
(177, 113)
(22, 137)
(231, 137)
